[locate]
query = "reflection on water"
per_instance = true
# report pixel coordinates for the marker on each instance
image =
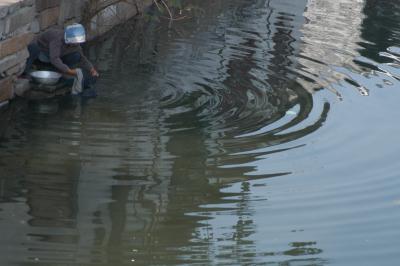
(237, 136)
(331, 42)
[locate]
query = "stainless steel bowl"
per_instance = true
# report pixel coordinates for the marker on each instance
(46, 77)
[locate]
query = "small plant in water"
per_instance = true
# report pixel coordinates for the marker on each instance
(169, 6)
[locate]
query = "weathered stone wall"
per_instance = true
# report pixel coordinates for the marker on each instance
(20, 20)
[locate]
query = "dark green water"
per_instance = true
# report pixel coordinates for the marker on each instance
(252, 133)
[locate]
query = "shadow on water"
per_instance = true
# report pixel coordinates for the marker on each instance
(161, 168)
(380, 28)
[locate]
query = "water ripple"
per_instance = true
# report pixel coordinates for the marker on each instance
(236, 136)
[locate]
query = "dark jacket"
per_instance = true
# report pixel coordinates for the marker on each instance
(52, 43)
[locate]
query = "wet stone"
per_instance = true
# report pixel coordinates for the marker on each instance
(41, 91)
(3, 104)
(21, 86)
(47, 88)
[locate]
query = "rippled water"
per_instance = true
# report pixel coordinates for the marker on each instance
(250, 132)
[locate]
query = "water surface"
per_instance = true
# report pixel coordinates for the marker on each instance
(249, 133)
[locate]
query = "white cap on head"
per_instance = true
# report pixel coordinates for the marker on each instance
(74, 33)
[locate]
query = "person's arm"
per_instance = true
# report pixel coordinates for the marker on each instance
(87, 65)
(71, 72)
(55, 58)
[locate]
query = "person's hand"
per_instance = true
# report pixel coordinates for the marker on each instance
(94, 72)
(71, 72)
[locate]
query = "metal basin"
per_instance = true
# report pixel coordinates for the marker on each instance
(46, 77)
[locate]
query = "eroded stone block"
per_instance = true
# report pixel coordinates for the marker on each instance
(27, 3)
(19, 19)
(49, 17)
(3, 11)
(45, 4)
(16, 70)
(14, 44)
(6, 89)
(70, 10)
(13, 60)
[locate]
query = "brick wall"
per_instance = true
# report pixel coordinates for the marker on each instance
(20, 20)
